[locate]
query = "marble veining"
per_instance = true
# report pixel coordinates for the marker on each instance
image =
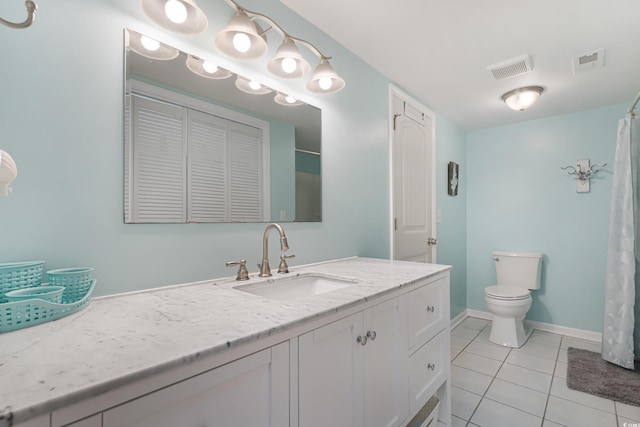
(120, 339)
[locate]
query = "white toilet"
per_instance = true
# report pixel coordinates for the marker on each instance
(510, 300)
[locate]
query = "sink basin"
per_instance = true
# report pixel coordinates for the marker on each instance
(297, 286)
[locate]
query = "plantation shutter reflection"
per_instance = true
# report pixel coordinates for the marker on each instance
(246, 195)
(190, 166)
(208, 171)
(158, 184)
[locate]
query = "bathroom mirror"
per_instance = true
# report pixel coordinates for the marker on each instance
(286, 167)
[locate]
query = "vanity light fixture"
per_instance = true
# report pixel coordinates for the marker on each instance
(251, 86)
(522, 98)
(180, 16)
(287, 100)
(151, 48)
(244, 38)
(206, 69)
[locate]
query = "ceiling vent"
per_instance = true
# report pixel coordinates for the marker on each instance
(588, 61)
(511, 67)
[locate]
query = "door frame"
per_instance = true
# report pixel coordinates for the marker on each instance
(395, 91)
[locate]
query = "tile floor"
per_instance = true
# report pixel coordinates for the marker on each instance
(495, 386)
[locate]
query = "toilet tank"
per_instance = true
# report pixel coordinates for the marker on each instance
(518, 269)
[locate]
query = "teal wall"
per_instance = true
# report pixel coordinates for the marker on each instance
(61, 120)
(282, 170)
(518, 199)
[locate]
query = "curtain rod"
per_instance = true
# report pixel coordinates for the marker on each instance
(635, 102)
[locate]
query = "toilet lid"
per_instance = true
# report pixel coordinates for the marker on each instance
(507, 292)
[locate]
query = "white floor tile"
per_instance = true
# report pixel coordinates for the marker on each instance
(455, 352)
(463, 403)
(474, 323)
(546, 338)
(518, 397)
(547, 423)
(458, 422)
(559, 389)
(458, 342)
(576, 343)
(494, 414)
(540, 350)
(628, 411)
(462, 332)
(477, 363)
(525, 377)
(573, 414)
(561, 369)
(625, 422)
(469, 380)
(530, 361)
(492, 351)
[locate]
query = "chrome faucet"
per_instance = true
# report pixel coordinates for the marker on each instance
(265, 270)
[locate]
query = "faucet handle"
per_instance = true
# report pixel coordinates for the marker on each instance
(243, 274)
(283, 267)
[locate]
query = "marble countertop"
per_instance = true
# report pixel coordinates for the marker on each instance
(120, 339)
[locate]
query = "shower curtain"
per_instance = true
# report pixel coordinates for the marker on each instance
(621, 333)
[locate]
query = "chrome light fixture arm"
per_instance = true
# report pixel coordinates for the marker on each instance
(273, 25)
(31, 10)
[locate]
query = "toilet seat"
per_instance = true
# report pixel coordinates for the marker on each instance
(507, 293)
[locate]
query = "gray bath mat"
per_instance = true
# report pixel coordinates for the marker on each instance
(589, 373)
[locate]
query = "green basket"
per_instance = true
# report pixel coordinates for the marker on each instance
(19, 275)
(31, 312)
(76, 281)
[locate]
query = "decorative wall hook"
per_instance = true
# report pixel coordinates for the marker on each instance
(583, 173)
(31, 13)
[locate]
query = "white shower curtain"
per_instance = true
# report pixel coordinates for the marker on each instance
(621, 333)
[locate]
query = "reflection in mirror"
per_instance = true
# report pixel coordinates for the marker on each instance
(199, 147)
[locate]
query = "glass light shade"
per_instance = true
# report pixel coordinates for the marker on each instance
(288, 62)
(325, 79)
(8, 172)
(153, 49)
(522, 98)
(287, 100)
(205, 69)
(232, 40)
(180, 16)
(251, 86)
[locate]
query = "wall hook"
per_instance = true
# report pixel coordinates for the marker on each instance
(583, 172)
(31, 13)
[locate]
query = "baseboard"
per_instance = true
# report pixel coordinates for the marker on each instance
(541, 326)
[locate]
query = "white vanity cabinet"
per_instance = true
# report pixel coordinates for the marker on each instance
(351, 372)
(252, 391)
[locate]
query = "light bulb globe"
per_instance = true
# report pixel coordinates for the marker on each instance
(241, 42)
(176, 11)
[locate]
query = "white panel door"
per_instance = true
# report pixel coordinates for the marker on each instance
(412, 176)
(330, 375)
(385, 373)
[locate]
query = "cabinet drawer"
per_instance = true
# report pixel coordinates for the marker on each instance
(427, 312)
(427, 371)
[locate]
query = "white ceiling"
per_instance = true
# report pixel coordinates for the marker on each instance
(438, 51)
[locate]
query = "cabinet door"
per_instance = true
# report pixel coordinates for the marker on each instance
(252, 391)
(385, 373)
(330, 375)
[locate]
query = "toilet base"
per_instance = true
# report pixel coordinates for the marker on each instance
(509, 331)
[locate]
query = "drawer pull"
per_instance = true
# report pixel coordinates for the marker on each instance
(431, 309)
(431, 366)
(362, 339)
(372, 335)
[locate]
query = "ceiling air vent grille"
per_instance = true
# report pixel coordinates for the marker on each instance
(588, 61)
(511, 67)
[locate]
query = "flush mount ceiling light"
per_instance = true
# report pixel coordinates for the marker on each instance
(251, 86)
(522, 98)
(287, 100)
(206, 69)
(151, 48)
(180, 16)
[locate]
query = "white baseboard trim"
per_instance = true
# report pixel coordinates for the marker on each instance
(541, 326)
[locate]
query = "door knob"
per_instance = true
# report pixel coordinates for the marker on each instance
(432, 241)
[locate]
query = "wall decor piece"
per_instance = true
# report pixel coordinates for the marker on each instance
(583, 172)
(452, 181)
